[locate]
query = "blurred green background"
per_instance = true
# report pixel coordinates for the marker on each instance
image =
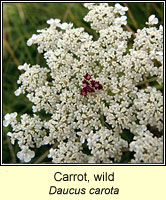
(20, 21)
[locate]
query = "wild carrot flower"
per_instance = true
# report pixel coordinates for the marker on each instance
(110, 74)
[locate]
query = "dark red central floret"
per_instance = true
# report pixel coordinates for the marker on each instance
(96, 85)
(89, 86)
(87, 76)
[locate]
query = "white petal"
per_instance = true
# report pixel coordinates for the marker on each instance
(21, 66)
(6, 123)
(20, 155)
(64, 25)
(9, 134)
(13, 115)
(31, 153)
(17, 92)
(27, 158)
(29, 43)
(155, 21)
(7, 116)
(151, 18)
(50, 21)
(117, 5)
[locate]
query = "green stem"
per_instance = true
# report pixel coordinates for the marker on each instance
(103, 122)
(110, 93)
(49, 83)
(158, 86)
(147, 81)
(102, 119)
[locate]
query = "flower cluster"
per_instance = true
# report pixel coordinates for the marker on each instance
(91, 129)
(149, 149)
